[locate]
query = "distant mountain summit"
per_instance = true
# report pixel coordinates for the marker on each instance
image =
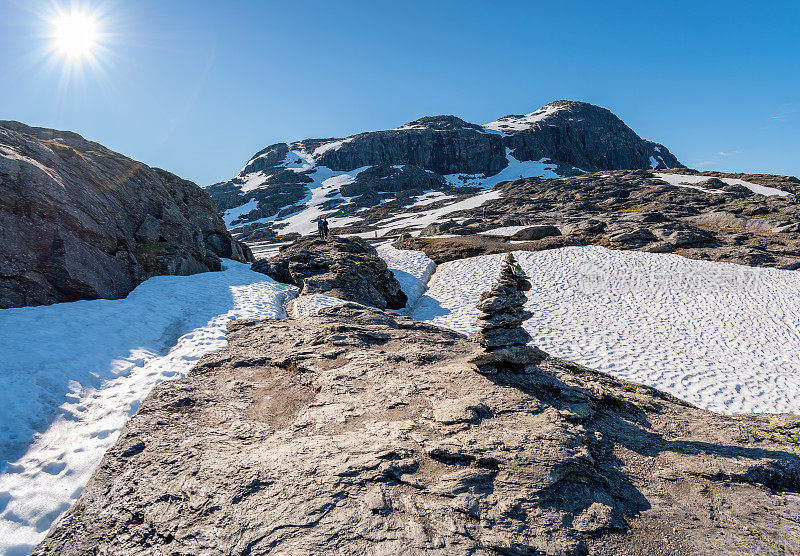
(286, 186)
(583, 135)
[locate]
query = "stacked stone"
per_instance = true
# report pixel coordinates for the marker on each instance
(502, 312)
(502, 309)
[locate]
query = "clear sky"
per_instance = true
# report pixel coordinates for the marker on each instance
(197, 87)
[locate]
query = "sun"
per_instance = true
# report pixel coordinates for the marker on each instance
(75, 34)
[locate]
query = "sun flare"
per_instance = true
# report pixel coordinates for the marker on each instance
(75, 34)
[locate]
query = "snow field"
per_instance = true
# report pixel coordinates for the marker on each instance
(73, 373)
(510, 124)
(309, 305)
(721, 336)
(412, 269)
(681, 180)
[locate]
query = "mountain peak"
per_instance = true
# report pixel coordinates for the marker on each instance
(439, 123)
(286, 186)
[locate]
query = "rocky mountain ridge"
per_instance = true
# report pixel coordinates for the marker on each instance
(285, 184)
(78, 221)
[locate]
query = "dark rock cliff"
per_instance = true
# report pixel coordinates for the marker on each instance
(78, 221)
(442, 144)
(589, 137)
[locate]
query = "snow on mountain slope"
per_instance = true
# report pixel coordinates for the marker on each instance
(512, 123)
(683, 179)
(73, 373)
(273, 193)
(721, 336)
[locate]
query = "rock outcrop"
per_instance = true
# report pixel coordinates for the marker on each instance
(441, 153)
(347, 268)
(361, 432)
(78, 221)
(633, 210)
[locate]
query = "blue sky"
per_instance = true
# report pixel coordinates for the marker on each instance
(197, 87)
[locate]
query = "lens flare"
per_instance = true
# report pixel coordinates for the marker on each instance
(75, 34)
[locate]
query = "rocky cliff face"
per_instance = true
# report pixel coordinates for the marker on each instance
(438, 153)
(441, 144)
(583, 135)
(78, 221)
(359, 432)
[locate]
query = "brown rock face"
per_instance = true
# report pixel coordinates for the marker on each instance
(357, 432)
(78, 221)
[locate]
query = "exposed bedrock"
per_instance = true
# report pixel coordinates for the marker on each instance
(630, 210)
(361, 432)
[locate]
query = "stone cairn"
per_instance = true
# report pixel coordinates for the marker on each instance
(502, 313)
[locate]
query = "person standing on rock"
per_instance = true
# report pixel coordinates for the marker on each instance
(321, 229)
(325, 230)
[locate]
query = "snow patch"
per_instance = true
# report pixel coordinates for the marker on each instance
(430, 197)
(237, 212)
(252, 181)
(513, 123)
(74, 373)
(681, 180)
(332, 146)
(721, 336)
(504, 231)
(310, 305)
(412, 269)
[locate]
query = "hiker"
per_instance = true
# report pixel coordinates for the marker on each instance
(321, 228)
(326, 232)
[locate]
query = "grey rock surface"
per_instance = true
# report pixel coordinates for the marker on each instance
(634, 210)
(347, 268)
(78, 221)
(359, 432)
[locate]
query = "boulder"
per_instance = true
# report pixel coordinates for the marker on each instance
(536, 232)
(78, 221)
(347, 268)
